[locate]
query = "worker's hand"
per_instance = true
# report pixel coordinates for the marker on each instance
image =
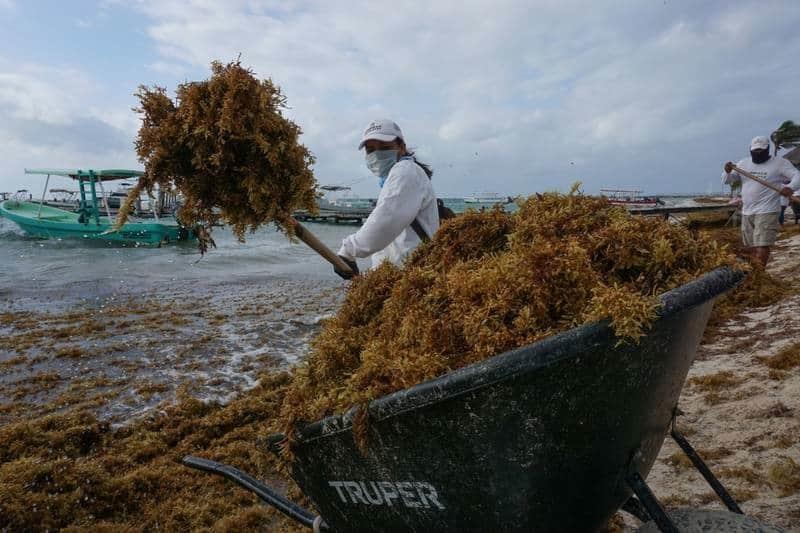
(728, 167)
(347, 274)
(787, 192)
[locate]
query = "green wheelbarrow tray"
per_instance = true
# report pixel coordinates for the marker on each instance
(553, 436)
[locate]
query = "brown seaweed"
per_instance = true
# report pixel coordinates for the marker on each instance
(489, 282)
(226, 146)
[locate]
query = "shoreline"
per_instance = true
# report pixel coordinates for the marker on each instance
(121, 352)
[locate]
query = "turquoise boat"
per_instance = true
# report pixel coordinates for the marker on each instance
(42, 221)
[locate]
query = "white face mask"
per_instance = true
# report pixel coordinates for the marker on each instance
(380, 162)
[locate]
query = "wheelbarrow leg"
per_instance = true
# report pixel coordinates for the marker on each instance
(290, 509)
(700, 465)
(649, 501)
(633, 506)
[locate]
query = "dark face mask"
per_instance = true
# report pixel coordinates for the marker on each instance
(759, 156)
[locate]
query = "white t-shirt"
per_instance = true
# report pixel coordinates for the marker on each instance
(387, 234)
(756, 198)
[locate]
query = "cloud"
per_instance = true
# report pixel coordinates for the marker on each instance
(89, 136)
(53, 118)
(516, 97)
(34, 92)
(526, 86)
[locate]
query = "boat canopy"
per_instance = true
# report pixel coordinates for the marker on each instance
(793, 156)
(622, 191)
(98, 175)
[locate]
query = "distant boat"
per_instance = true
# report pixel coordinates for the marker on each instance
(109, 202)
(63, 199)
(338, 207)
(487, 198)
(115, 198)
(630, 198)
(43, 221)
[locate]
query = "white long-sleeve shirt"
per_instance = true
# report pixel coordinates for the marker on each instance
(387, 234)
(757, 199)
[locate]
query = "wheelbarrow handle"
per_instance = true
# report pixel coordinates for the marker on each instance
(290, 509)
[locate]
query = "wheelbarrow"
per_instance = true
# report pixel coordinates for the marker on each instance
(554, 436)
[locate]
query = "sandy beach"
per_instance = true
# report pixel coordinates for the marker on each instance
(741, 412)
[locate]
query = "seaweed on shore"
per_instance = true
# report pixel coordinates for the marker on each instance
(784, 475)
(71, 470)
(489, 282)
(786, 359)
(759, 289)
(225, 145)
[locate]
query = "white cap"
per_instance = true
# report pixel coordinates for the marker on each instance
(759, 143)
(381, 130)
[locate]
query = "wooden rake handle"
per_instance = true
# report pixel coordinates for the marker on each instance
(765, 183)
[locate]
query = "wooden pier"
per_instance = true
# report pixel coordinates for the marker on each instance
(335, 216)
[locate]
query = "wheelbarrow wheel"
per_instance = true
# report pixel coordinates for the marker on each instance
(708, 521)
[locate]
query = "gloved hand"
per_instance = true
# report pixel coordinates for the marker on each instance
(728, 167)
(353, 266)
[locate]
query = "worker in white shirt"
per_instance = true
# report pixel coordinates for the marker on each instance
(406, 211)
(761, 206)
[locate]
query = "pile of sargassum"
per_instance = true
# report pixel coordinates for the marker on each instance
(489, 282)
(226, 146)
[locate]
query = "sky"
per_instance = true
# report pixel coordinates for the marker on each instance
(503, 96)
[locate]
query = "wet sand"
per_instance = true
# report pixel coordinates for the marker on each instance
(122, 352)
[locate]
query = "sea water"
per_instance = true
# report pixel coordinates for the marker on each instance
(31, 267)
(44, 263)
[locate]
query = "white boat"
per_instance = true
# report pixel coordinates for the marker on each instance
(486, 198)
(63, 199)
(110, 202)
(336, 204)
(164, 201)
(339, 198)
(630, 198)
(115, 199)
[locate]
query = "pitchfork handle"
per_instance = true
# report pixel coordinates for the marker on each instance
(318, 246)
